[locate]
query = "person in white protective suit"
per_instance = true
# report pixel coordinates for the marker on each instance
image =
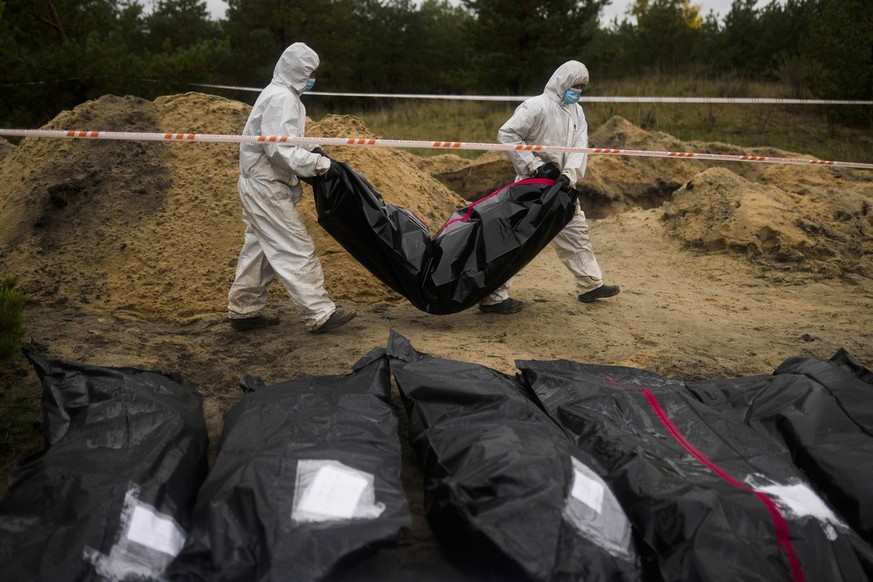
(555, 118)
(277, 244)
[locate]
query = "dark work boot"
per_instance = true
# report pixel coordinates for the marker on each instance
(601, 292)
(337, 318)
(506, 307)
(246, 323)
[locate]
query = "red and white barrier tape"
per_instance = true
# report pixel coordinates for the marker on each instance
(405, 143)
(588, 99)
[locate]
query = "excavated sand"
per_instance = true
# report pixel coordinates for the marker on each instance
(152, 229)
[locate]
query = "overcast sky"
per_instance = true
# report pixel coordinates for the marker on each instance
(618, 8)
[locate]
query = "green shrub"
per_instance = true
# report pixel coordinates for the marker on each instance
(11, 319)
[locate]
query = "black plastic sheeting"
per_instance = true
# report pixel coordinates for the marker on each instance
(286, 496)
(503, 480)
(566, 471)
(822, 413)
(110, 497)
(479, 248)
(712, 498)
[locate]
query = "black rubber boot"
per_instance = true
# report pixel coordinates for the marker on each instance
(506, 307)
(337, 318)
(601, 292)
(247, 323)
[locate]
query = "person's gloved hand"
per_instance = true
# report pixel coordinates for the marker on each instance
(333, 172)
(564, 180)
(318, 150)
(548, 170)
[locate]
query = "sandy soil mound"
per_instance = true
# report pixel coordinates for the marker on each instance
(75, 213)
(6, 148)
(144, 228)
(152, 230)
(827, 233)
(612, 184)
(472, 179)
(783, 217)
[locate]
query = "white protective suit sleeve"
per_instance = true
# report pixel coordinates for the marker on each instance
(546, 120)
(282, 118)
(279, 111)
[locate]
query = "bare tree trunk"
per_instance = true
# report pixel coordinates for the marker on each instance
(53, 20)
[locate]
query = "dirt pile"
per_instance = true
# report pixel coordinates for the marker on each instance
(139, 228)
(612, 184)
(827, 233)
(6, 148)
(471, 179)
(780, 216)
(152, 229)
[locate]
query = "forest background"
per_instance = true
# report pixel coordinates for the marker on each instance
(56, 54)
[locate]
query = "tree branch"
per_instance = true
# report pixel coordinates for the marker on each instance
(53, 21)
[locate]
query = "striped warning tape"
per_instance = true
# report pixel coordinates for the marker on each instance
(405, 143)
(588, 99)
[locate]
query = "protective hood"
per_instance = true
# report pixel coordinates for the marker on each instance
(295, 66)
(569, 74)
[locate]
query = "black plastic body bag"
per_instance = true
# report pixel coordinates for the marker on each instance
(822, 413)
(504, 486)
(111, 496)
(307, 477)
(479, 248)
(713, 499)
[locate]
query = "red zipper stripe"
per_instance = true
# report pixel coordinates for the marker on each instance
(541, 181)
(783, 536)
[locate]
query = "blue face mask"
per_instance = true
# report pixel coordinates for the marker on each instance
(572, 96)
(310, 83)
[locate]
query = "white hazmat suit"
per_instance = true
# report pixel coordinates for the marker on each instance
(547, 120)
(277, 243)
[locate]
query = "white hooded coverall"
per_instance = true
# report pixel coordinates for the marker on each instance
(277, 243)
(546, 120)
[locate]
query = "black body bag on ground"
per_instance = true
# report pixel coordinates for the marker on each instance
(307, 474)
(504, 487)
(480, 247)
(822, 412)
(714, 499)
(111, 496)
